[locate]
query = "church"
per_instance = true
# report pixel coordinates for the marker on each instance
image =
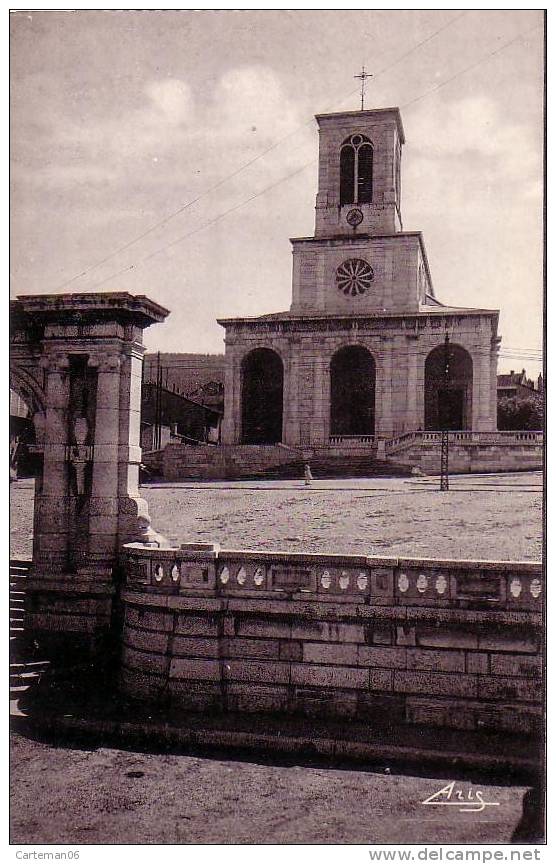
(366, 351)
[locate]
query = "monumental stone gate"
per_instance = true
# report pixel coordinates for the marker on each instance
(76, 360)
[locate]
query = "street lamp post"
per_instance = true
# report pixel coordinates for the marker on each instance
(444, 444)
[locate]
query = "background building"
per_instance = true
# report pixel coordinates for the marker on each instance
(518, 384)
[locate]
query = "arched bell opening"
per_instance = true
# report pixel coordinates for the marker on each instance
(448, 388)
(352, 392)
(356, 170)
(262, 397)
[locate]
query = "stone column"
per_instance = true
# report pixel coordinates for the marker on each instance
(103, 506)
(493, 414)
(482, 390)
(236, 408)
(414, 384)
(133, 513)
(51, 509)
(321, 401)
(291, 396)
(383, 401)
(230, 432)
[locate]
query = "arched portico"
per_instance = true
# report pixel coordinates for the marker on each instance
(28, 388)
(448, 388)
(262, 397)
(352, 391)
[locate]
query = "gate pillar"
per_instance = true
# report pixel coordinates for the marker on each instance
(87, 502)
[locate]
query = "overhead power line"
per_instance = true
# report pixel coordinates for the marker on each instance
(160, 223)
(471, 66)
(202, 227)
(520, 357)
(237, 206)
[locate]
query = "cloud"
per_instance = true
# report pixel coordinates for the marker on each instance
(472, 183)
(170, 142)
(172, 101)
(252, 99)
(474, 128)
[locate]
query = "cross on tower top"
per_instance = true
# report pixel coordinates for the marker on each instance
(363, 76)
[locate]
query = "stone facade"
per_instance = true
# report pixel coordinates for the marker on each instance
(363, 282)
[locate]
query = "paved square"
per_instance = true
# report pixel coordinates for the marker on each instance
(482, 516)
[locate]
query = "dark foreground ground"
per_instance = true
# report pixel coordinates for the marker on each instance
(103, 795)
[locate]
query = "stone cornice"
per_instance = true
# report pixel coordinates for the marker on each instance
(363, 115)
(352, 238)
(409, 321)
(89, 307)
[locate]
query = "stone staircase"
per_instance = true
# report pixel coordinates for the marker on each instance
(235, 462)
(25, 667)
(225, 462)
(151, 464)
(329, 466)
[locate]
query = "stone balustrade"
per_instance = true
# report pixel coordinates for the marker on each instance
(453, 644)
(470, 452)
(352, 440)
(503, 438)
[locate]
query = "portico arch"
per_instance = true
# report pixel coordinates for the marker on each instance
(23, 383)
(448, 388)
(352, 391)
(27, 420)
(262, 397)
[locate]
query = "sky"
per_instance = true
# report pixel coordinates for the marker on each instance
(193, 134)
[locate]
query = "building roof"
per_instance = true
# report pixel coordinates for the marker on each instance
(368, 113)
(514, 379)
(436, 308)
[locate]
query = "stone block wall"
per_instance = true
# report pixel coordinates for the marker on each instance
(476, 458)
(453, 644)
(68, 620)
(207, 462)
(394, 260)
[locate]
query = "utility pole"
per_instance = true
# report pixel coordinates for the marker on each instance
(444, 483)
(158, 405)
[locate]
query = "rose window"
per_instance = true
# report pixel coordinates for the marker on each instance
(354, 277)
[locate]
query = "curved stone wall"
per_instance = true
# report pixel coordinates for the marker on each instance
(437, 643)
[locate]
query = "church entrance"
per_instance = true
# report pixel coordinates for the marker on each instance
(352, 392)
(448, 388)
(262, 397)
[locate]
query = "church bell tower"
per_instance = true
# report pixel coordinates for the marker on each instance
(360, 261)
(359, 173)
